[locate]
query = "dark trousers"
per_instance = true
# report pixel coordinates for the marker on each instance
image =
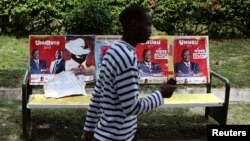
(136, 138)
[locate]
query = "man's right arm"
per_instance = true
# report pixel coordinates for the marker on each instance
(128, 90)
(167, 88)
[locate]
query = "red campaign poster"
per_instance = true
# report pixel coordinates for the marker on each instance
(43, 50)
(191, 59)
(51, 55)
(47, 46)
(152, 61)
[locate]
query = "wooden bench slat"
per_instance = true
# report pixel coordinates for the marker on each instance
(177, 100)
(40, 101)
(193, 100)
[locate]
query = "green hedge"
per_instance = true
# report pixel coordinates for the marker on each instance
(90, 17)
(216, 18)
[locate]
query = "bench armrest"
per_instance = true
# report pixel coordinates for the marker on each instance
(222, 79)
(25, 88)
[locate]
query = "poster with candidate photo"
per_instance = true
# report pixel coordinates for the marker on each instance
(152, 61)
(51, 55)
(42, 53)
(80, 56)
(191, 59)
(102, 44)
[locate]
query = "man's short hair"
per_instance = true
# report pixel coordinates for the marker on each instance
(133, 12)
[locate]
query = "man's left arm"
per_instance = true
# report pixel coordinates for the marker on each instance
(93, 110)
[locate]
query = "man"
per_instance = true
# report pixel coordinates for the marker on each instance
(37, 66)
(114, 106)
(187, 68)
(57, 65)
(148, 68)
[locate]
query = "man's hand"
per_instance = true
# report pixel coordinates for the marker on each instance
(167, 88)
(87, 136)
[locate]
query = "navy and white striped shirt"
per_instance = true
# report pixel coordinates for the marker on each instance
(112, 113)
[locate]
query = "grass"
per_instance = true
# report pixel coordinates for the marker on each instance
(231, 59)
(14, 54)
(171, 124)
(228, 57)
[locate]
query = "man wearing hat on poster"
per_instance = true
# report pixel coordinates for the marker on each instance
(79, 52)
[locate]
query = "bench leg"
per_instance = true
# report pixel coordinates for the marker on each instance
(25, 111)
(217, 113)
(25, 123)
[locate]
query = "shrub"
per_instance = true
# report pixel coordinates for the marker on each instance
(217, 18)
(90, 17)
(24, 17)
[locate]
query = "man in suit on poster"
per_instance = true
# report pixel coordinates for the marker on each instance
(37, 66)
(186, 68)
(147, 67)
(57, 65)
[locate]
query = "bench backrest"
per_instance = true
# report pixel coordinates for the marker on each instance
(160, 58)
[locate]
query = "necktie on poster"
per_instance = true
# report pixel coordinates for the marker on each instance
(189, 67)
(56, 65)
(37, 64)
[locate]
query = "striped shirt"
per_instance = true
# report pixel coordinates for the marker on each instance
(112, 113)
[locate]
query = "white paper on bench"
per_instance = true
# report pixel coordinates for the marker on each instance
(64, 84)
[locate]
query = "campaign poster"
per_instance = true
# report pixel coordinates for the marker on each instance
(51, 55)
(191, 59)
(152, 61)
(170, 51)
(42, 52)
(80, 56)
(102, 44)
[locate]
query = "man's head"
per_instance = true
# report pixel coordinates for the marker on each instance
(59, 54)
(136, 23)
(186, 54)
(146, 55)
(35, 54)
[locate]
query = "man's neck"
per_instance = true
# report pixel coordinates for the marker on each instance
(187, 63)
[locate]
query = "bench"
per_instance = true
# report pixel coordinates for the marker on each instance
(214, 106)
